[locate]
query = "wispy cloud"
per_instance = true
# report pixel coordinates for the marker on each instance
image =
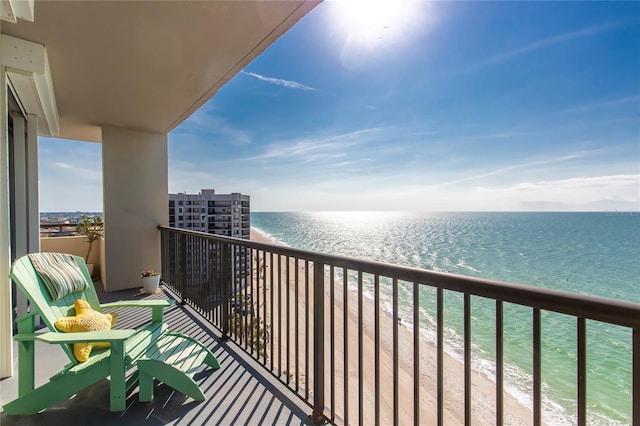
(186, 176)
(541, 44)
(208, 123)
(279, 82)
(592, 182)
(551, 160)
(482, 137)
(607, 192)
(72, 172)
(68, 168)
(236, 136)
(576, 190)
(314, 149)
(603, 104)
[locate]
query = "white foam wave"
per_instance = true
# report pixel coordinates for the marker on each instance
(517, 383)
(270, 237)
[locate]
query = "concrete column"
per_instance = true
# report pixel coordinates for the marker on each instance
(136, 200)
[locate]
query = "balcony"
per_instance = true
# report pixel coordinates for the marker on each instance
(296, 348)
(407, 366)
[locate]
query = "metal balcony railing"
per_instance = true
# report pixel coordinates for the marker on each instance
(57, 229)
(290, 310)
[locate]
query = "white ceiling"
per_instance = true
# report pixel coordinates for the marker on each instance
(148, 65)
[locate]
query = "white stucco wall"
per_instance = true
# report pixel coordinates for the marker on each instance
(76, 245)
(135, 189)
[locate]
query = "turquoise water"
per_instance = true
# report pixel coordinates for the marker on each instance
(589, 253)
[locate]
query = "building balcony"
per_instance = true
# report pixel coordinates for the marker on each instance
(296, 348)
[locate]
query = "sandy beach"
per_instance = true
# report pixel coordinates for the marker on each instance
(282, 329)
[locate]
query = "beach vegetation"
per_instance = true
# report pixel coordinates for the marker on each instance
(260, 267)
(254, 332)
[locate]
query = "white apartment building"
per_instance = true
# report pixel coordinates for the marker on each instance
(220, 214)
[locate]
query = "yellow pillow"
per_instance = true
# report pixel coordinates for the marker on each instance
(86, 319)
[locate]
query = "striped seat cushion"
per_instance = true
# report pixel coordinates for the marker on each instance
(59, 272)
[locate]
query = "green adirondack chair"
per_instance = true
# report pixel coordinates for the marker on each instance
(171, 358)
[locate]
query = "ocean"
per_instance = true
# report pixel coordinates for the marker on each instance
(589, 253)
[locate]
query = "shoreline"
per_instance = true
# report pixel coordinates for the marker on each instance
(483, 388)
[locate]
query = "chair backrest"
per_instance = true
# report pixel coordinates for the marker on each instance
(33, 287)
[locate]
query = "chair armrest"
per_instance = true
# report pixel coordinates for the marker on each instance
(87, 336)
(27, 317)
(138, 304)
(25, 337)
(27, 323)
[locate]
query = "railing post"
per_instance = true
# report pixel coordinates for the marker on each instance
(164, 265)
(184, 275)
(635, 355)
(318, 344)
(225, 284)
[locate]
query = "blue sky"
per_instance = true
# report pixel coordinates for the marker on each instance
(423, 106)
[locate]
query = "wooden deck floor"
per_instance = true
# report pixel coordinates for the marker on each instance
(240, 393)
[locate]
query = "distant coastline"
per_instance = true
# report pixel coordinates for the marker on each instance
(66, 217)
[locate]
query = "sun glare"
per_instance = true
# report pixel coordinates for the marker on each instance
(368, 21)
